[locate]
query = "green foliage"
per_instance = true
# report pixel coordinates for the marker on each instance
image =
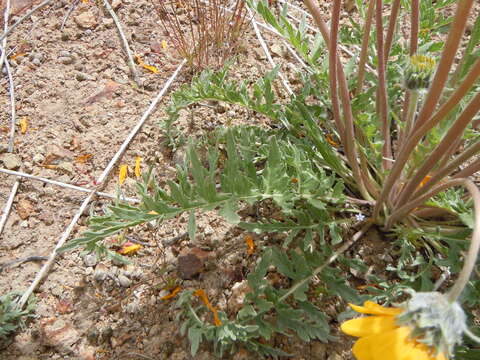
(11, 317)
(297, 168)
(264, 312)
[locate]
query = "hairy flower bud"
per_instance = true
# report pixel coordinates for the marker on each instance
(419, 72)
(434, 321)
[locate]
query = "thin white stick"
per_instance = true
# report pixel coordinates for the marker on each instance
(130, 62)
(289, 48)
(69, 12)
(68, 186)
(13, 119)
(66, 234)
(4, 39)
(8, 205)
(4, 60)
(267, 52)
(24, 17)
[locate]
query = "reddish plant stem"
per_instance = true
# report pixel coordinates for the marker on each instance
(382, 87)
(348, 138)
(469, 170)
(400, 212)
(332, 59)
(450, 168)
(448, 55)
(411, 142)
(415, 26)
(455, 131)
(364, 51)
(392, 23)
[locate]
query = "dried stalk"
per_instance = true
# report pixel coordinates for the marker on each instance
(67, 186)
(330, 260)
(8, 204)
(267, 52)
(123, 38)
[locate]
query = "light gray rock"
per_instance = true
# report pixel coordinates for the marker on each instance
(124, 281)
(11, 161)
(90, 259)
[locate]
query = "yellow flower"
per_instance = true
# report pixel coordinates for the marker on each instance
(382, 338)
(123, 173)
(138, 168)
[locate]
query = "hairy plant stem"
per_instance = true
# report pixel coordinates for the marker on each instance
(411, 142)
(474, 248)
(364, 51)
(412, 110)
(455, 34)
(392, 23)
(382, 87)
(347, 128)
(455, 132)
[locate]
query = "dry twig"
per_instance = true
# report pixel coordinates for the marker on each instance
(267, 52)
(3, 59)
(8, 205)
(68, 186)
(126, 47)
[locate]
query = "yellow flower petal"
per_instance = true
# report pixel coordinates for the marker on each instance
(123, 173)
(138, 171)
(370, 325)
(369, 307)
(361, 349)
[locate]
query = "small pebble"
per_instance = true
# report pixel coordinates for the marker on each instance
(82, 76)
(38, 158)
(65, 36)
(64, 53)
(66, 60)
(100, 273)
(90, 259)
(124, 281)
(36, 61)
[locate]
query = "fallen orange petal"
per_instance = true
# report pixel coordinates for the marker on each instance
(129, 248)
(425, 180)
(250, 244)
(172, 294)
(82, 159)
(23, 125)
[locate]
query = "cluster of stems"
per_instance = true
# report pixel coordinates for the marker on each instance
(398, 187)
(205, 32)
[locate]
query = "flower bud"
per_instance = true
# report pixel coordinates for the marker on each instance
(419, 72)
(434, 321)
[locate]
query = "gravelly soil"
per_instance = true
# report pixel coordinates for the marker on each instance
(73, 87)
